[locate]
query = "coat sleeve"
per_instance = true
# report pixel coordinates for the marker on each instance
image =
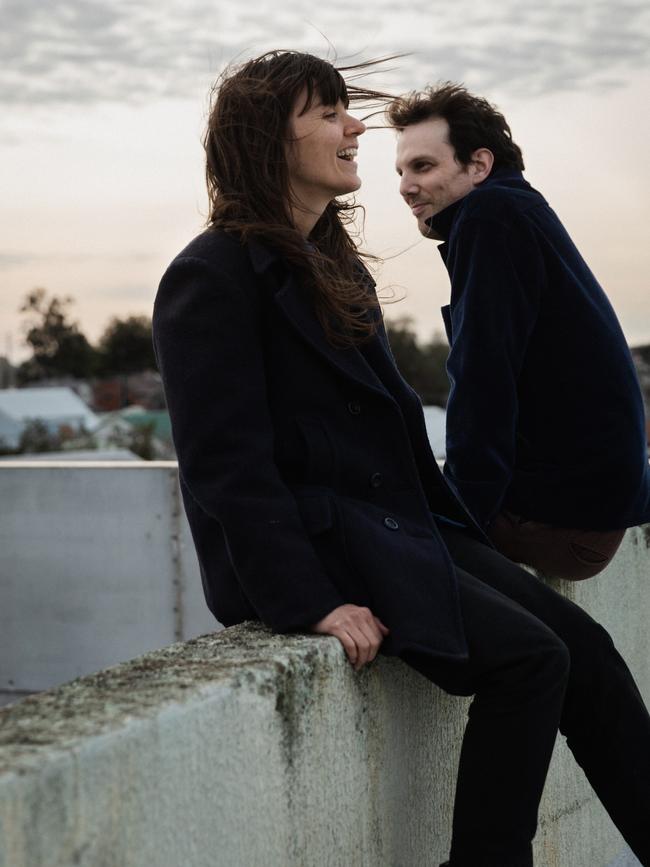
(208, 344)
(495, 279)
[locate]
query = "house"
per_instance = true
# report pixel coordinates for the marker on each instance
(148, 432)
(59, 409)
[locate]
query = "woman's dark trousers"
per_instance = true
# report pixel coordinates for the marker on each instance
(537, 662)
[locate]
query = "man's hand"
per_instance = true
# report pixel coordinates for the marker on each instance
(358, 630)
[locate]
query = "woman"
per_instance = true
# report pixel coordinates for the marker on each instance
(313, 496)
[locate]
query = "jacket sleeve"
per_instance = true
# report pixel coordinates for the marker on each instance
(495, 280)
(209, 348)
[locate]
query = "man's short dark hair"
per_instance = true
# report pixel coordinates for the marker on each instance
(473, 122)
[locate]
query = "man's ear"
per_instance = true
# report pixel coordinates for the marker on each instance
(481, 164)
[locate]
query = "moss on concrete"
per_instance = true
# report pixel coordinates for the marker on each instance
(245, 655)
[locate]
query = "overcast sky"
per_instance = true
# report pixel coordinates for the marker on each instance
(103, 107)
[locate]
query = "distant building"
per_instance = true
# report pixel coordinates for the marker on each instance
(117, 392)
(10, 430)
(59, 409)
(120, 430)
(80, 387)
(435, 419)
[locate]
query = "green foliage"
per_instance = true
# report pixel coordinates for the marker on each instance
(142, 442)
(37, 437)
(126, 346)
(421, 365)
(58, 347)
(643, 353)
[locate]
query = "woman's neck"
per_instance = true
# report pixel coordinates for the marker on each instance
(305, 216)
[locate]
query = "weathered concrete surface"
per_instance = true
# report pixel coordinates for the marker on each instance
(242, 749)
(574, 828)
(234, 749)
(96, 566)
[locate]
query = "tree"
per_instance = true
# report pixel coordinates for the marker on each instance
(58, 346)
(643, 352)
(37, 437)
(422, 366)
(126, 346)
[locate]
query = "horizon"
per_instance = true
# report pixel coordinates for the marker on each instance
(104, 109)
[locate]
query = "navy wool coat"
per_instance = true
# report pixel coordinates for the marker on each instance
(545, 416)
(306, 472)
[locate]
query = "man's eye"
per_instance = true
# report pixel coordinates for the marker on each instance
(330, 114)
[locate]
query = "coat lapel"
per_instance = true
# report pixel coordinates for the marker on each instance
(299, 310)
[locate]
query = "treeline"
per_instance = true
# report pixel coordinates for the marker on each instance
(422, 364)
(60, 349)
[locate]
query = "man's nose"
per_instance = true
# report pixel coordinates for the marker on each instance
(407, 187)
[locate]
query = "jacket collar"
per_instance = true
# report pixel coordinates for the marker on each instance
(296, 305)
(261, 256)
(443, 221)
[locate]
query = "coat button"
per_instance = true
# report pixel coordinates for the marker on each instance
(354, 407)
(376, 480)
(391, 523)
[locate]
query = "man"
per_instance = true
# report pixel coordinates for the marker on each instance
(546, 439)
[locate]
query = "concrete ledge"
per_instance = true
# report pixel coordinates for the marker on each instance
(97, 566)
(244, 749)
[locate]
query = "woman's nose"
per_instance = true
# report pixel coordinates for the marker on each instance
(355, 126)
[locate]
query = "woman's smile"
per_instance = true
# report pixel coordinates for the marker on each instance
(320, 132)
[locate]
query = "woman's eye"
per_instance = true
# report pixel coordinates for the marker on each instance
(330, 114)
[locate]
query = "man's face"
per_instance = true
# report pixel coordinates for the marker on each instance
(431, 178)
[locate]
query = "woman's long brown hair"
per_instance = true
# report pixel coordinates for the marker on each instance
(248, 180)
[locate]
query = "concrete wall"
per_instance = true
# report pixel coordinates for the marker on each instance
(243, 749)
(96, 566)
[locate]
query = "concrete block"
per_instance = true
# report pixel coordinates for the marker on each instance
(97, 566)
(243, 748)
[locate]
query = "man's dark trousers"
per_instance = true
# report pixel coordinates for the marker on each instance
(537, 661)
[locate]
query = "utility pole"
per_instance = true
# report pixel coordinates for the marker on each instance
(7, 372)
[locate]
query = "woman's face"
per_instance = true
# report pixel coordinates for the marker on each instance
(322, 156)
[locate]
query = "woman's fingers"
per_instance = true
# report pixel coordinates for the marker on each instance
(354, 644)
(349, 645)
(358, 630)
(384, 629)
(367, 636)
(364, 648)
(373, 636)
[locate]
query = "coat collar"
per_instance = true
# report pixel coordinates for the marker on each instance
(443, 221)
(294, 302)
(261, 256)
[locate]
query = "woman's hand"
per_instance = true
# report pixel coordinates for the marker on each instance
(358, 630)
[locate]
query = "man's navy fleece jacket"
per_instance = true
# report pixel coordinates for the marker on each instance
(545, 416)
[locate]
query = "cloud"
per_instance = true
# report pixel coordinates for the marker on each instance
(84, 51)
(12, 260)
